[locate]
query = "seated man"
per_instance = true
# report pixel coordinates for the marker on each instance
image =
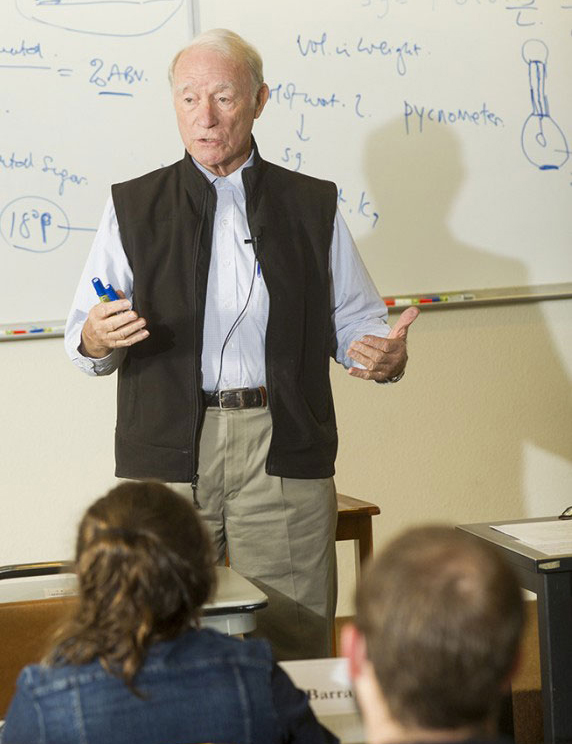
(436, 639)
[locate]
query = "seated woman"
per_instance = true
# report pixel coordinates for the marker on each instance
(132, 665)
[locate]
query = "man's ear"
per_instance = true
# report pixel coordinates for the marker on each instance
(353, 646)
(261, 99)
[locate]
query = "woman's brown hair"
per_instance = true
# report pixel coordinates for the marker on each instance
(145, 567)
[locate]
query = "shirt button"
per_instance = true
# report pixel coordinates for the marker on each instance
(228, 304)
(224, 222)
(226, 264)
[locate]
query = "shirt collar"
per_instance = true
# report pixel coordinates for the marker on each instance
(233, 179)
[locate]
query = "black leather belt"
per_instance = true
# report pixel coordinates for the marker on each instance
(237, 398)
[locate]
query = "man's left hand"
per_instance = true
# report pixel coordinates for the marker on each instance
(383, 358)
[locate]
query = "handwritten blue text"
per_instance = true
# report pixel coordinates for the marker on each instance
(415, 116)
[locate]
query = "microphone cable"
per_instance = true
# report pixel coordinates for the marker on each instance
(238, 319)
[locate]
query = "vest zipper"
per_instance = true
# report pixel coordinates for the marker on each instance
(198, 395)
(266, 344)
(194, 486)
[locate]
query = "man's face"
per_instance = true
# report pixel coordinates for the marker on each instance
(215, 109)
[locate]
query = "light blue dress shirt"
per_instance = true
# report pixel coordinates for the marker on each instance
(356, 306)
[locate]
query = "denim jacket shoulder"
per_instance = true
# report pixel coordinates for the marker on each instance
(202, 686)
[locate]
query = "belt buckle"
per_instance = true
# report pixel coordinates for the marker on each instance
(235, 396)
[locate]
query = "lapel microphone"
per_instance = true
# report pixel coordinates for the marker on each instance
(254, 241)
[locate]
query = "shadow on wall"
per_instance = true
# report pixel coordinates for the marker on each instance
(416, 180)
(481, 384)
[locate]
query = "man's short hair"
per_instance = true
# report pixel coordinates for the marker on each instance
(442, 614)
(230, 45)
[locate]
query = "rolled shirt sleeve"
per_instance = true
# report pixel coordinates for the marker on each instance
(108, 261)
(357, 308)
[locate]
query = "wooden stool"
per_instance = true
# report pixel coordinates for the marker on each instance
(354, 523)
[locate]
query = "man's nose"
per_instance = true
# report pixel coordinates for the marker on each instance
(206, 115)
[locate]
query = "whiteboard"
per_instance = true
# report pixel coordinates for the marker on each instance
(85, 103)
(421, 111)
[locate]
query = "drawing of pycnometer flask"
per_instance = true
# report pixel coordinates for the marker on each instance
(543, 142)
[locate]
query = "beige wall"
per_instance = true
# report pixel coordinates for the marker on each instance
(479, 429)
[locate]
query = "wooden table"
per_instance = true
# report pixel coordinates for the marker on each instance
(354, 523)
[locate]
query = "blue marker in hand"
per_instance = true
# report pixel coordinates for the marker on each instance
(105, 294)
(111, 293)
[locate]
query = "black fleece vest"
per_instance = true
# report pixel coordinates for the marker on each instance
(166, 224)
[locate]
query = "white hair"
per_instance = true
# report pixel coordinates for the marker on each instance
(229, 45)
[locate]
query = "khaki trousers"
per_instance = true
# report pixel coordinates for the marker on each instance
(279, 532)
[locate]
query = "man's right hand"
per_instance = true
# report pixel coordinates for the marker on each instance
(111, 325)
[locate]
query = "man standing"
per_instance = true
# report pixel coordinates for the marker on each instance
(436, 639)
(240, 280)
